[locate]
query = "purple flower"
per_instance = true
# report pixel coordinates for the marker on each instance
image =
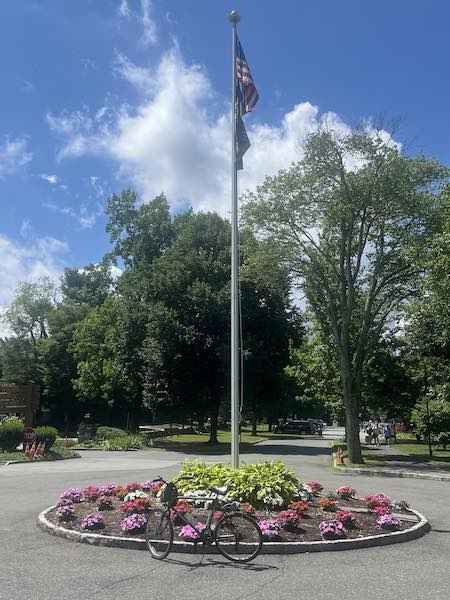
(191, 533)
(107, 490)
(66, 511)
(332, 530)
(74, 494)
(93, 521)
(388, 522)
(270, 528)
(134, 523)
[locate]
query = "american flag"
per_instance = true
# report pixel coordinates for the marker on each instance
(249, 94)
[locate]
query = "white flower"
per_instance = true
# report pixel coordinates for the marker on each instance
(134, 495)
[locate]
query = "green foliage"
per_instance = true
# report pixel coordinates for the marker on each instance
(61, 443)
(255, 482)
(46, 434)
(197, 475)
(108, 433)
(127, 442)
(439, 418)
(249, 483)
(442, 439)
(11, 434)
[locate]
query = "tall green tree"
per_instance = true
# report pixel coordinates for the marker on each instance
(352, 219)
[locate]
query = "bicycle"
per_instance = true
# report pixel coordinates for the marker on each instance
(236, 535)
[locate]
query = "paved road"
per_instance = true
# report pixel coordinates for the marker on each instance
(39, 566)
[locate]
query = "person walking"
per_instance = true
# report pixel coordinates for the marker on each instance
(387, 435)
(376, 435)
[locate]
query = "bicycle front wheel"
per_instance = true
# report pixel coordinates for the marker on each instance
(159, 533)
(238, 537)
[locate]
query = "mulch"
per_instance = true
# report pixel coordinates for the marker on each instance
(308, 531)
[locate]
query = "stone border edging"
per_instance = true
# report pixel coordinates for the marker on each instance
(97, 539)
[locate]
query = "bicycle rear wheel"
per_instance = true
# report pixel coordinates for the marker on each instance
(159, 533)
(238, 538)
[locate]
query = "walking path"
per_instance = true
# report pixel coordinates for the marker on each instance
(35, 564)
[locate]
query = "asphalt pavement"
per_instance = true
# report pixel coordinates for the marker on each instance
(34, 564)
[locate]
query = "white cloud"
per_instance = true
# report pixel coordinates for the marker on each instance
(171, 142)
(86, 215)
(149, 26)
(124, 9)
(52, 179)
(18, 263)
(25, 228)
(13, 155)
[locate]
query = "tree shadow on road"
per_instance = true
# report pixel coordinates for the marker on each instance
(205, 449)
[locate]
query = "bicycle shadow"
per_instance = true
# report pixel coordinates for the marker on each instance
(221, 564)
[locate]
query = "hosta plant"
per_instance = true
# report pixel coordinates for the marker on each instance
(332, 530)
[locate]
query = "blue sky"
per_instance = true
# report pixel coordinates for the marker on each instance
(99, 95)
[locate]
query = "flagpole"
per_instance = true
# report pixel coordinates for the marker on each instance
(235, 416)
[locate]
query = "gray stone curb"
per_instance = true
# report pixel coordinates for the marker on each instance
(38, 462)
(96, 539)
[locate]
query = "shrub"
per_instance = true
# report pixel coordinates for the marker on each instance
(299, 506)
(63, 443)
(328, 505)
(289, 519)
(197, 476)
(332, 530)
(105, 503)
(346, 492)
(93, 521)
(442, 439)
(73, 494)
(134, 523)
(46, 434)
(268, 483)
(11, 434)
(263, 484)
(107, 433)
(127, 442)
(270, 528)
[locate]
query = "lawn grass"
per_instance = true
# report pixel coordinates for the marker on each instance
(199, 442)
(419, 451)
(367, 452)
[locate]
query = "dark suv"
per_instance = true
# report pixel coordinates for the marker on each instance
(295, 427)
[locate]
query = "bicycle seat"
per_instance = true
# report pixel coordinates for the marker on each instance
(221, 491)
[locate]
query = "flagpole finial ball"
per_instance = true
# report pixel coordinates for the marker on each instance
(234, 17)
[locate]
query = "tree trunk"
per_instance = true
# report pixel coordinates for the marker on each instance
(214, 418)
(351, 404)
(269, 422)
(254, 424)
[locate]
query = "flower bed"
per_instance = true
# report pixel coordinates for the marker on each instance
(124, 510)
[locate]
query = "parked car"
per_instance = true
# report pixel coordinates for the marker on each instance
(295, 427)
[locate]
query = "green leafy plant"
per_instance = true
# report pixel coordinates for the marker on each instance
(46, 434)
(128, 442)
(254, 483)
(11, 434)
(110, 433)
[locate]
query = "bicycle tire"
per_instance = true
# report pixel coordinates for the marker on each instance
(159, 533)
(238, 537)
